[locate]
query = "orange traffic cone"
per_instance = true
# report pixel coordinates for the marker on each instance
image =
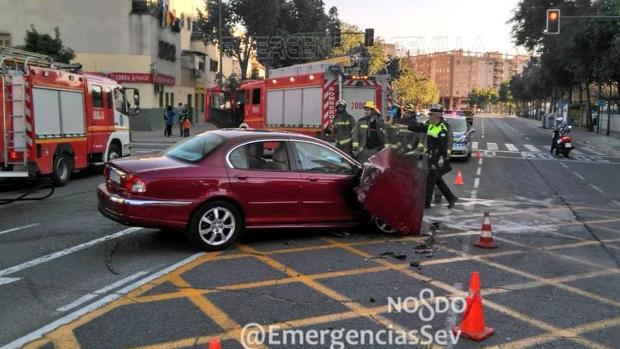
(459, 179)
(486, 238)
(214, 343)
(472, 326)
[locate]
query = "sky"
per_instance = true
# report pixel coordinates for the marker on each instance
(435, 25)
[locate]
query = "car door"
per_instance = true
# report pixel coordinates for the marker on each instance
(328, 181)
(260, 174)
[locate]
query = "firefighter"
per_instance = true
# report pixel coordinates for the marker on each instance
(369, 134)
(438, 145)
(344, 123)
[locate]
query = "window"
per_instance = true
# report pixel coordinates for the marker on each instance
(172, 98)
(317, 158)
(220, 101)
(97, 96)
(196, 148)
(5, 39)
(108, 98)
(119, 99)
(161, 99)
(256, 96)
(261, 156)
(167, 99)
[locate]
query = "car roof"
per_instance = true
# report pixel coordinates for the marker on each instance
(251, 134)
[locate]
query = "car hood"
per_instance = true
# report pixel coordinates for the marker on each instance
(392, 189)
(149, 163)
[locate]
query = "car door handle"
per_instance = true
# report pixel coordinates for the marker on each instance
(241, 177)
(313, 179)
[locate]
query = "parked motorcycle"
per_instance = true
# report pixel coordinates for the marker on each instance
(564, 145)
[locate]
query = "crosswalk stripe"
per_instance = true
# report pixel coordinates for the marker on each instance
(531, 148)
(492, 146)
(511, 147)
(577, 152)
(474, 145)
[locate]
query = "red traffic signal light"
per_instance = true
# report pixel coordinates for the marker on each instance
(553, 21)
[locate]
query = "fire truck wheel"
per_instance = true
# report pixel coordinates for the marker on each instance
(215, 226)
(61, 170)
(114, 152)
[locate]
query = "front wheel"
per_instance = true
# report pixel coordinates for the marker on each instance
(215, 226)
(382, 227)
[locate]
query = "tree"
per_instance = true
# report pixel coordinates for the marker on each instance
(45, 44)
(482, 97)
(413, 88)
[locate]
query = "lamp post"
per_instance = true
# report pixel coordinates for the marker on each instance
(220, 42)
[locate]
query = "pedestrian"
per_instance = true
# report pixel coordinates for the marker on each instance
(344, 123)
(369, 133)
(186, 125)
(169, 116)
(180, 111)
(438, 147)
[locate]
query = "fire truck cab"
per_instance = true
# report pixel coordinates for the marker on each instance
(56, 119)
(301, 98)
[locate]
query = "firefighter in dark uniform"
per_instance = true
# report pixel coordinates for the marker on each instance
(438, 140)
(369, 134)
(344, 123)
(409, 140)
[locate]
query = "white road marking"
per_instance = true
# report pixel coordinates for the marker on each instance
(474, 194)
(492, 146)
(4, 281)
(527, 138)
(70, 250)
(19, 228)
(511, 147)
(594, 151)
(101, 291)
(478, 171)
(18, 343)
(531, 148)
(575, 151)
(480, 162)
(617, 203)
(564, 165)
(596, 188)
(474, 145)
(580, 176)
(477, 183)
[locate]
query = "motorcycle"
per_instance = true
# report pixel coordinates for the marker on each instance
(564, 145)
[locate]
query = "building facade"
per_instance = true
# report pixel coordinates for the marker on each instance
(146, 44)
(457, 72)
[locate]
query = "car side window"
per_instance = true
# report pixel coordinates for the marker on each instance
(319, 159)
(263, 156)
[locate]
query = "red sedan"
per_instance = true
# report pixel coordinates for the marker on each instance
(220, 183)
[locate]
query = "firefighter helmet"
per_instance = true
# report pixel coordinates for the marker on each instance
(341, 102)
(370, 105)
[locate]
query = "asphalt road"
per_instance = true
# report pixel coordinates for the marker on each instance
(71, 278)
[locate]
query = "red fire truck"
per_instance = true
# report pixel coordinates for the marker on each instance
(55, 120)
(301, 98)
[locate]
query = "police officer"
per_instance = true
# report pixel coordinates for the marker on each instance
(438, 148)
(369, 133)
(344, 123)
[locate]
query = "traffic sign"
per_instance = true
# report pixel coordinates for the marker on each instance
(602, 103)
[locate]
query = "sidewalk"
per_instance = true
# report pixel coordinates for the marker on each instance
(607, 144)
(157, 136)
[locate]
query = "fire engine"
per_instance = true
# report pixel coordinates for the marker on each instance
(301, 98)
(56, 119)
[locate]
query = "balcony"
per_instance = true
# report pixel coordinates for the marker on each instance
(146, 7)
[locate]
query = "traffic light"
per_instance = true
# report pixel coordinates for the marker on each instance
(553, 21)
(369, 37)
(336, 38)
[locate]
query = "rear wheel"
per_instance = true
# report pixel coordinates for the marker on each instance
(61, 169)
(215, 226)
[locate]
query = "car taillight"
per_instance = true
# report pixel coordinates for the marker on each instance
(134, 184)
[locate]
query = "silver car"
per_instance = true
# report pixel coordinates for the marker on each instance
(461, 134)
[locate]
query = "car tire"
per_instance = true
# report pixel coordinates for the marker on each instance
(382, 228)
(114, 152)
(215, 226)
(62, 166)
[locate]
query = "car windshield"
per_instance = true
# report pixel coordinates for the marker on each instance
(196, 148)
(457, 124)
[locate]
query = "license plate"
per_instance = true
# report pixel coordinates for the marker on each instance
(115, 176)
(568, 145)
